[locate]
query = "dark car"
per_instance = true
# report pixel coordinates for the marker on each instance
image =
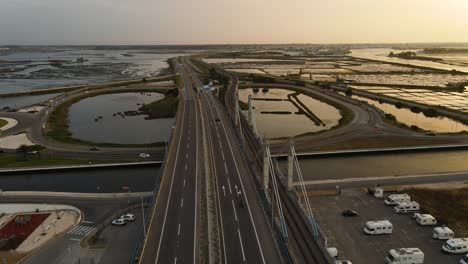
(349, 212)
(94, 149)
(217, 121)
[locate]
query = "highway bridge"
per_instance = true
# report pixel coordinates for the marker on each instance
(176, 232)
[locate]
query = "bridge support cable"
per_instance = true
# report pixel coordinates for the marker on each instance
(308, 209)
(275, 193)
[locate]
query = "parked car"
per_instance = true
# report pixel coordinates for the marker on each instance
(119, 222)
(144, 155)
(128, 217)
(349, 212)
(94, 148)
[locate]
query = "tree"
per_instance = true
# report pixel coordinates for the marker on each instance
(23, 150)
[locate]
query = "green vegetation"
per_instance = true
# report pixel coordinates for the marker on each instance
(262, 79)
(14, 161)
(3, 123)
(409, 55)
(435, 201)
(57, 124)
(444, 51)
(221, 78)
(165, 108)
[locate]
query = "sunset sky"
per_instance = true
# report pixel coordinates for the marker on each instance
(231, 21)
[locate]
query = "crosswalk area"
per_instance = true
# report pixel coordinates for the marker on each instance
(81, 230)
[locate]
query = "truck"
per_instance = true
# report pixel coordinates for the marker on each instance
(394, 199)
(406, 207)
(425, 219)
(378, 227)
(456, 246)
(405, 256)
(442, 233)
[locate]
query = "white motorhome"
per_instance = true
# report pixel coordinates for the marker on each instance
(394, 199)
(406, 207)
(464, 260)
(378, 227)
(442, 233)
(405, 256)
(425, 219)
(456, 246)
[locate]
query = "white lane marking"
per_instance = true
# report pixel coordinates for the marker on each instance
(234, 209)
(229, 184)
(182, 203)
(175, 260)
(87, 222)
(225, 168)
(187, 145)
(178, 231)
(195, 238)
(184, 182)
(186, 156)
(240, 180)
(43, 126)
(242, 246)
(170, 191)
(75, 239)
(185, 166)
(224, 191)
(222, 154)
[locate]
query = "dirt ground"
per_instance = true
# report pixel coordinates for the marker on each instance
(448, 206)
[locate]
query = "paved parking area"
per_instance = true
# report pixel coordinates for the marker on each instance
(345, 233)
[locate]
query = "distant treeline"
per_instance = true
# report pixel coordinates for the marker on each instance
(444, 50)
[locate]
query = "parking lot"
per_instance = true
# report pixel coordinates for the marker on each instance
(345, 233)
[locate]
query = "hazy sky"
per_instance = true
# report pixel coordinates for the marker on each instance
(231, 21)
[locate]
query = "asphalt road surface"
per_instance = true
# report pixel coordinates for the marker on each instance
(172, 235)
(65, 248)
(247, 237)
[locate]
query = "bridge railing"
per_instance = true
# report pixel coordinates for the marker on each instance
(142, 236)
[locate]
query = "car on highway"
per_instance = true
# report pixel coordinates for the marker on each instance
(217, 121)
(119, 222)
(349, 213)
(94, 148)
(144, 155)
(128, 217)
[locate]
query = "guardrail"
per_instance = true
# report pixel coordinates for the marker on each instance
(261, 194)
(142, 237)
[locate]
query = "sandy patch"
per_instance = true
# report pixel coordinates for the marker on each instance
(31, 109)
(11, 123)
(13, 142)
(50, 228)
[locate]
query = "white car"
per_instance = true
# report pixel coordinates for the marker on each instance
(343, 262)
(128, 217)
(144, 155)
(119, 222)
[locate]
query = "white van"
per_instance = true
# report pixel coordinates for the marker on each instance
(405, 256)
(394, 199)
(442, 233)
(406, 207)
(456, 246)
(464, 260)
(425, 219)
(378, 227)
